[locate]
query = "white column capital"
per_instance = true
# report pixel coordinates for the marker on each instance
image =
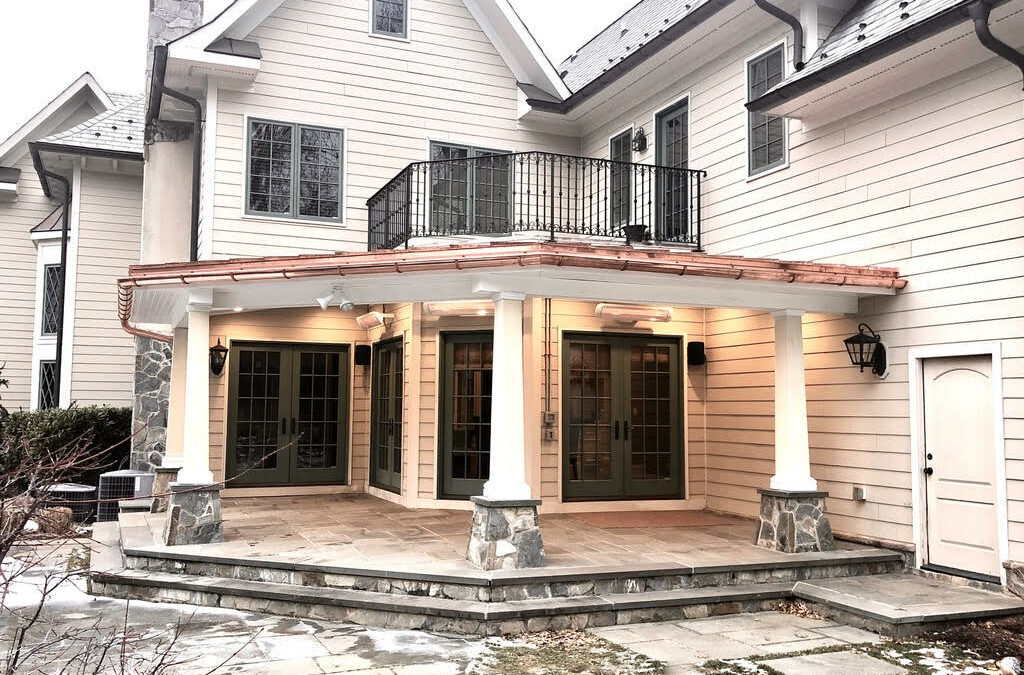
(199, 300)
(508, 295)
(788, 312)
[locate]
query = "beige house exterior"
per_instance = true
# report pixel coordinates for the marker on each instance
(85, 136)
(888, 191)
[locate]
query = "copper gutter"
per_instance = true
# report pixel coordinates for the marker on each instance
(125, 297)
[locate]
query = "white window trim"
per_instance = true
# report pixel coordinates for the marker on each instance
(44, 347)
(784, 43)
(384, 36)
(915, 357)
(305, 120)
(71, 286)
(632, 157)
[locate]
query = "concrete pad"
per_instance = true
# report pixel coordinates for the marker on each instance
(668, 652)
(836, 663)
(766, 635)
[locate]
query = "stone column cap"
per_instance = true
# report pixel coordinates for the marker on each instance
(503, 503)
(166, 469)
(196, 487)
(793, 494)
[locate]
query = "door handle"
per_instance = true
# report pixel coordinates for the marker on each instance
(625, 430)
(293, 426)
(928, 471)
(284, 425)
(616, 427)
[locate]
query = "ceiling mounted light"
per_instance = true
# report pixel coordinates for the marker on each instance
(238, 309)
(346, 305)
(372, 320)
(632, 313)
(325, 300)
(460, 308)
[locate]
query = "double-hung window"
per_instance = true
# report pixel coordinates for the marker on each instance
(766, 134)
(390, 18)
(51, 300)
(294, 171)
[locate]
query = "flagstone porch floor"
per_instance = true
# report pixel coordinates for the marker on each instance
(367, 532)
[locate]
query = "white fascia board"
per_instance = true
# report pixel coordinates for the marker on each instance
(84, 82)
(42, 237)
(517, 46)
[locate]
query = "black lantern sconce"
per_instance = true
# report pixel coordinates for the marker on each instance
(218, 356)
(639, 140)
(866, 350)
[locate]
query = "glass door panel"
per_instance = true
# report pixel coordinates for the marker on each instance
(622, 435)
(673, 151)
(492, 178)
(259, 415)
(386, 424)
(319, 450)
(466, 422)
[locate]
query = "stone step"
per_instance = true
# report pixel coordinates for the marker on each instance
(906, 604)
(141, 505)
(436, 613)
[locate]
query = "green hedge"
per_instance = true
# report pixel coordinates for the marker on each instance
(101, 427)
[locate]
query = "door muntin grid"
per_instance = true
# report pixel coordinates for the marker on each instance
(589, 445)
(467, 424)
(257, 409)
(318, 410)
(622, 417)
(471, 191)
(673, 151)
(621, 175)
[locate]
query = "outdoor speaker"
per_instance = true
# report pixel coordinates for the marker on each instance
(695, 354)
(363, 355)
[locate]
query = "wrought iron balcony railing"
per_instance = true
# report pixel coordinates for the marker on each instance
(536, 192)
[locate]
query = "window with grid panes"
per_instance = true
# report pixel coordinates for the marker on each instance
(390, 18)
(294, 171)
(621, 150)
(47, 385)
(766, 133)
(51, 300)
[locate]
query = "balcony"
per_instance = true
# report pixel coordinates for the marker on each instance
(561, 196)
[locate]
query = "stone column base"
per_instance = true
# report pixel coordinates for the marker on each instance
(193, 515)
(1015, 577)
(165, 475)
(794, 522)
(505, 534)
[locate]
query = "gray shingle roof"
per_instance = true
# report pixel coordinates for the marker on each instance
(643, 22)
(865, 25)
(120, 129)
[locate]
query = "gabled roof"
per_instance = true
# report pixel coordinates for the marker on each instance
(119, 130)
(639, 25)
(85, 87)
(497, 19)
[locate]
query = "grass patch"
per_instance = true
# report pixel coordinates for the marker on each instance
(560, 653)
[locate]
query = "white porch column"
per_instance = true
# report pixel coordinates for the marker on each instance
(792, 450)
(176, 403)
(196, 436)
(508, 443)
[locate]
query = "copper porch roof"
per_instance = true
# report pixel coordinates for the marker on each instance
(521, 254)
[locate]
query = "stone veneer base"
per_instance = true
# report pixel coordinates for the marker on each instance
(794, 522)
(1015, 577)
(505, 534)
(193, 515)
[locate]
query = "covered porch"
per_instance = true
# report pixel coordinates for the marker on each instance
(582, 386)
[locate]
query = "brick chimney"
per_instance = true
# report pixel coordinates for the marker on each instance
(169, 20)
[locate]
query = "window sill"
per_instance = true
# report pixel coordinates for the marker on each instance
(393, 38)
(768, 172)
(340, 224)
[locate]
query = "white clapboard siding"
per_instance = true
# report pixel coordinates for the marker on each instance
(447, 83)
(930, 182)
(18, 284)
(110, 226)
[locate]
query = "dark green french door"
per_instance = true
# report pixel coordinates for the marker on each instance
(672, 150)
(465, 423)
(622, 427)
(386, 416)
(287, 414)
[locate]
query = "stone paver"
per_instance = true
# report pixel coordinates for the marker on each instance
(835, 663)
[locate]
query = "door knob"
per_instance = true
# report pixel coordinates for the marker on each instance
(929, 455)
(928, 471)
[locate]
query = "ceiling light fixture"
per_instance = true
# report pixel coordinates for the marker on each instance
(346, 305)
(325, 300)
(632, 313)
(460, 308)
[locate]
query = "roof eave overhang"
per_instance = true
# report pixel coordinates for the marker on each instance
(188, 63)
(39, 150)
(775, 100)
(638, 57)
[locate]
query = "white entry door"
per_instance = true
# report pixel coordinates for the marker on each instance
(960, 465)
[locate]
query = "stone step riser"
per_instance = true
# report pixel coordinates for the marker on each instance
(424, 619)
(483, 590)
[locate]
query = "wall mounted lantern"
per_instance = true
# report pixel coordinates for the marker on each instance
(866, 350)
(218, 356)
(639, 140)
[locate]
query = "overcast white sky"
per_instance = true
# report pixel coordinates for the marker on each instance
(46, 44)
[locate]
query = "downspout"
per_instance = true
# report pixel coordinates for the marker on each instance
(794, 23)
(125, 299)
(979, 12)
(64, 228)
(157, 90)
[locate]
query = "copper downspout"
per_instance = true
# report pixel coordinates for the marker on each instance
(125, 297)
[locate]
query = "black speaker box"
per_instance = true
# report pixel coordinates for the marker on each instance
(695, 354)
(363, 355)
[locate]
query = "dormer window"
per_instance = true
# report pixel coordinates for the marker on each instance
(390, 18)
